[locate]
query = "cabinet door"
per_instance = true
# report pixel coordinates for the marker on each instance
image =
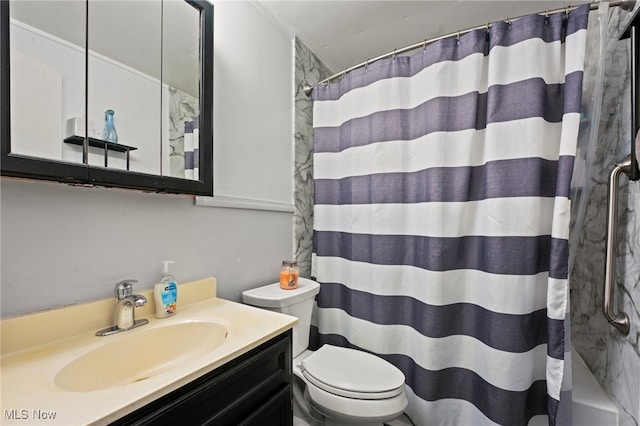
(275, 412)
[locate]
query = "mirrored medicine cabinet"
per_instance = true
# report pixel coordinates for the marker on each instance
(108, 93)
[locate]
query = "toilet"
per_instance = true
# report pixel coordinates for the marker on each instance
(341, 386)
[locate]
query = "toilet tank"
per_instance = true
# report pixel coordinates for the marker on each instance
(297, 302)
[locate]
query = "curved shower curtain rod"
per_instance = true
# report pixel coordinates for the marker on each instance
(308, 89)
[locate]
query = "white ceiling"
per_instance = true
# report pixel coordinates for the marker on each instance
(345, 33)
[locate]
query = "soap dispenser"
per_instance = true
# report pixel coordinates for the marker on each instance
(166, 293)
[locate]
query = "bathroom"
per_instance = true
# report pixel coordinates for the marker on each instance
(64, 245)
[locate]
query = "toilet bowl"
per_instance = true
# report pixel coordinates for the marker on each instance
(342, 386)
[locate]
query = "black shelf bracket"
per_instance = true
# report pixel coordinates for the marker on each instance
(99, 143)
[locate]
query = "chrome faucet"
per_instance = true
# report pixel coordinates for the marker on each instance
(124, 317)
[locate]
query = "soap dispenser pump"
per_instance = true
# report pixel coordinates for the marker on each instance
(166, 293)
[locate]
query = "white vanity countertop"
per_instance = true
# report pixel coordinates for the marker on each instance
(30, 396)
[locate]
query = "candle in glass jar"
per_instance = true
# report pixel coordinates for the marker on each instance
(289, 275)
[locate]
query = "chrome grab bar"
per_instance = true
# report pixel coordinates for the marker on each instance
(620, 320)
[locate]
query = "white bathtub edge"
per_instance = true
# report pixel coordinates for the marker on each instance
(590, 402)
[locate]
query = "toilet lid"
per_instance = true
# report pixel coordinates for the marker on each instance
(352, 373)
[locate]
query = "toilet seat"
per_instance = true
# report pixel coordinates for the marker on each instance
(352, 374)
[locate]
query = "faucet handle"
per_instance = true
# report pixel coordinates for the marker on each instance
(124, 289)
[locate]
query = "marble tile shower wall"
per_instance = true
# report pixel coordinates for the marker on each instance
(182, 107)
(613, 358)
(309, 70)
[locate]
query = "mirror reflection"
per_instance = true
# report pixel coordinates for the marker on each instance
(142, 88)
(124, 84)
(47, 75)
(181, 75)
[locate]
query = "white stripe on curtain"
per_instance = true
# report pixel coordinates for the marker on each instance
(449, 79)
(515, 216)
(463, 148)
(442, 185)
(495, 292)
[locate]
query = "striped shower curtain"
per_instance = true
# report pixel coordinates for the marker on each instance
(441, 217)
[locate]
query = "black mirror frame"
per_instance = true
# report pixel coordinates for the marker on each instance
(22, 166)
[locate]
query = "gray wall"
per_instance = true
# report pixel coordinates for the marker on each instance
(62, 245)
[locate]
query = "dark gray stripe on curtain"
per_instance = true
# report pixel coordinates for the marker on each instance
(522, 177)
(558, 259)
(496, 255)
(562, 410)
(501, 406)
(501, 34)
(448, 114)
(505, 332)
(552, 409)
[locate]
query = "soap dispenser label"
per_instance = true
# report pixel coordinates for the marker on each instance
(169, 297)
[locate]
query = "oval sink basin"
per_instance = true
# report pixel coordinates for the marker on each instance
(130, 358)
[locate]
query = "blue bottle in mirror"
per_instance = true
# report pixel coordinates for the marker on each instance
(109, 133)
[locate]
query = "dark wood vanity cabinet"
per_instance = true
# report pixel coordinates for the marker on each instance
(253, 389)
